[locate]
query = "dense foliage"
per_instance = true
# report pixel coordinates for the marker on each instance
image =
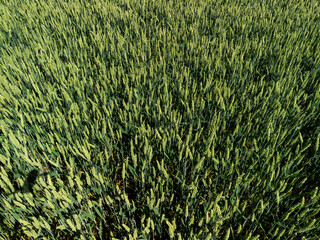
(159, 119)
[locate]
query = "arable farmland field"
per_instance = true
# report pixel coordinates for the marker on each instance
(160, 119)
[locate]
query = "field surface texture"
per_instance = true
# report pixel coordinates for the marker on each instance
(160, 119)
